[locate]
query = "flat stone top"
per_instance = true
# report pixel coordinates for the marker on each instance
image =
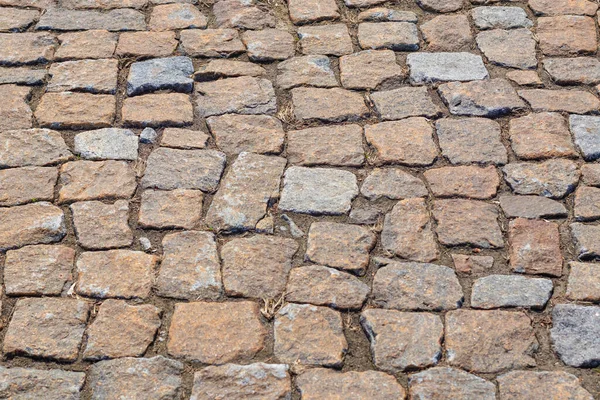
(315, 199)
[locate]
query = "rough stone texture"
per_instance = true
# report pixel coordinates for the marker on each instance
(38, 270)
(241, 95)
(26, 48)
(573, 71)
(31, 224)
(181, 138)
(309, 70)
(241, 14)
(467, 222)
(102, 226)
(227, 68)
(447, 33)
(174, 109)
(325, 39)
(524, 78)
(309, 335)
(571, 101)
(575, 334)
(333, 105)
(398, 36)
(403, 341)
(368, 69)
(123, 274)
(216, 333)
(318, 191)
(169, 169)
(146, 44)
(160, 74)
(590, 174)
(543, 135)
(340, 145)
(121, 330)
(306, 11)
(489, 341)
(498, 46)
(320, 383)
(95, 180)
(445, 382)
(586, 133)
(257, 266)
(442, 6)
(444, 67)
(470, 140)
(28, 184)
(269, 44)
(94, 76)
(252, 133)
(15, 112)
(176, 16)
(46, 327)
(412, 286)
(124, 19)
(239, 382)
(584, 282)
(534, 247)
(463, 181)
(500, 18)
(467, 264)
(532, 384)
(586, 239)
(405, 102)
(179, 208)
(245, 192)
(340, 246)
(29, 383)
(322, 286)
(70, 110)
(407, 231)
(489, 98)
(107, 143)
(393, 183)
(496, 291)
(566, 35)
(382, 14)
(553, 178)
(211, 42)
(22, 75)
(558, 7)
(531, 207)
(153, 378)
(87, 44)
(14, 19)
(587, 203)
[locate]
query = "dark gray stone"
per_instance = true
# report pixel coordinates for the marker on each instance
(586, 130)
(576, 334)
(510, 291)
(172, 73)
(531, 207)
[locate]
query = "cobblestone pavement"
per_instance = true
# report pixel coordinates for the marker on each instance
(315, 199)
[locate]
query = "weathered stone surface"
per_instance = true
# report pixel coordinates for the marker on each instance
(241, 95)
(28, 184)
(245, 193)
(227, 68)
(463, 181)
(179, 208)
(153, 378)
(53, 384)
(489, 341)
(566, 35)
(398, 36)
(94, 76)
(362, 3)
(234, 134)
(14, 19)
(445, 382)
(510, 291)
(524, 78)
(447, 33)
(147, 44)
(467, 264)
(103, 4)
(325, 39)
(590, 174)
(366, 214)
(102, 226)
(469, 140)
(393, 183)
(96, 180)
(121, 330)
(412, 286)
(333, 105)
(571, 101)
(531, 207)
(46, 327)
(309, 335)
(257, 266)
(322, 286)
(38, 270)
(407, 231)
(381, 14)
(15, 112)
(169, 169)
(443, 67)
(467, 222)
(305, 11)
(239, 382)
(407, 142)
(340, 145)
(442, 6)
(320, 383)
(587, 203)
(216, 333)
(534, 247)
(124, 19)
(368, 69)
(586, 132)
(22, 75)
(500, 18)
(107, 143)
(404, 102)
(211, 42)
(584, 282)
(174, 109)
(69, 110)
(573, 71)
(115, 274)
(498, 46)
(171, 73)
(489, 98)
(576, 334)
(403, 341)
(269, 44)
(587, 240)
(26, 48)
(181, 138)
(558, 7)
(31, 224)
(553, 178)
(543, 135)
(87, 44)
(312, 70)
(166, 17)
(241, 14)
(517, 385)
(318, 190)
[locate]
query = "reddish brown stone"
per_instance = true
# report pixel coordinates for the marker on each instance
(269, 44)
(368, 69)
(179, 208)
(30, 224)
(15, 19)
(211, 42)
(535, 247)
(253, 133)
(70, 110)
(331, 39)
(174, 109)
(15, 112)
(241, 95)
(498, 47)
(393, 183)
(591, 174)
(180, 138)
(559, 7)
(567, 35)
(464, 264)
(28, 184)
(447, 33)
(333, 105)
(570, 101)
(524, 78)
(86, 44)
(450, 383)
(26, 48)
(311, 70)
(146, 44)
(166, 17)
(557, 385)
(464, 181)
(241, 14)
(584, 282)
(52, 384)
(340, 145)
(587, 203)
(32, 147)
(216, 333)
(226, 69)
(102, 226)
(543, 135)
(94, 76)
(398, 36)
(305, 11)
(441, 5)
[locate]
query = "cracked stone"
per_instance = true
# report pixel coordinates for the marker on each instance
(393, 183)
(397, 36)
(102, 226)
(340, 145)
(534, 247)
(498, 46)
(369, 68)
(500, 18)
(166, 17)
(307, 70)
(553, 178)
(576, 334)
(445, 382)
(426, 68)
(107, 143)
(447, 33)
(532, 207)
(235, 134)
(211, 42)
(21, 148)
(586, 132)
(325, 39)
(269, 44)
(405, 102)
(584, 282)
(179, 208)
(241, 95)
(171, 73)
(332, 105)
(34, 223)
(510, 291)
(28, 184)
(571, 101)
(463, 181)
(69, 110)
(321, 383)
